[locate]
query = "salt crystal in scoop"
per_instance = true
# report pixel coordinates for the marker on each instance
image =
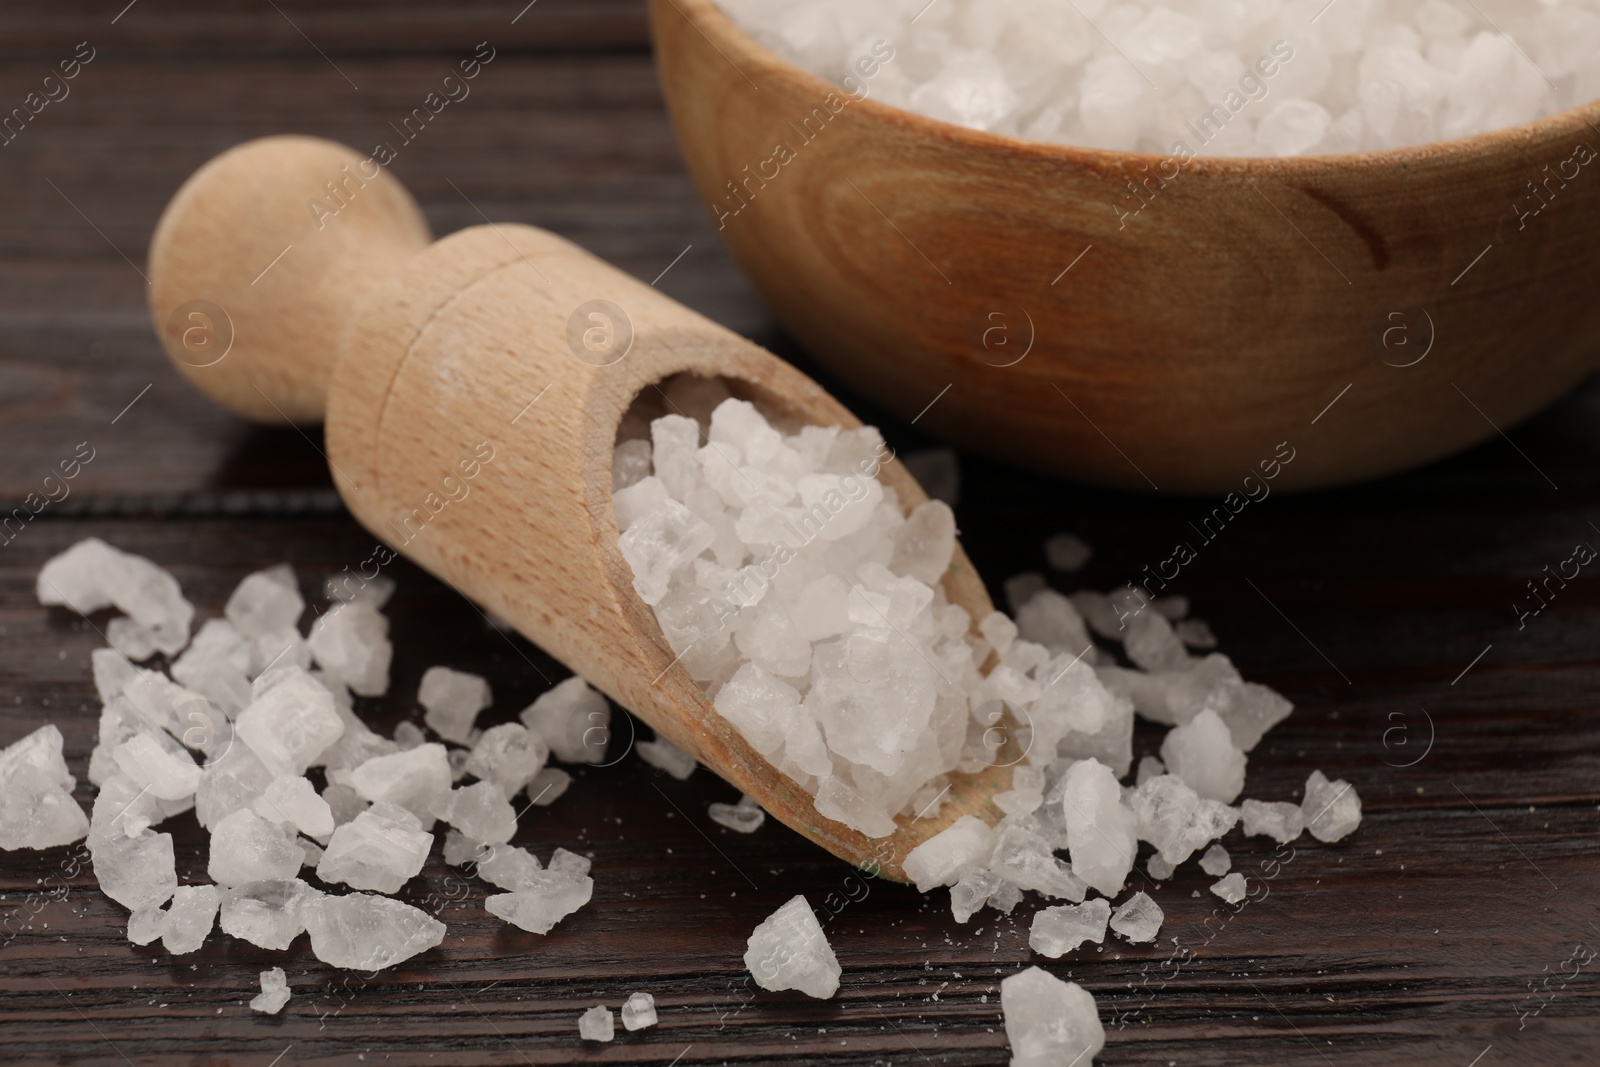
(942, 858)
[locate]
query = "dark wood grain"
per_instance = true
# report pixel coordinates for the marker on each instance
(1416, 940)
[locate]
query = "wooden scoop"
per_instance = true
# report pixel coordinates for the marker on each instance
(473, 388)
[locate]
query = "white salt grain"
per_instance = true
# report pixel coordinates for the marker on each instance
(38, 811)
(189, 918)
(360, 931)
(1067, 552)
(1058, 930)
(1202, 753)
(274, 992)
(745, 817)
(542, 899)
(789, 951)
(666, 756)
(452, 700)
(1332, 810)
(92, 575)
(941, 859)
(1216, 862)
(381, 849)
(597, 1024)
(547, 786)
(1101, 833)
(1282, 822)
(1049, 1023)
(1230, 888)
(509, 755)
(573, 720)
(1138, 919)
(247, 848)
(639, 1011)
(481, 812)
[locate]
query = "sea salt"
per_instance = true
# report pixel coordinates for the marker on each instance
(267, 914)
(509, 755)
(542, 899)
(1101, 832)
(1137, 919)
(1282, 822)
(381, 849)
(247, 848)
(573, 720)
(417, 780)
(189, 918)
(38, 811)
(1192, 77)
(788, 950)
(639, 1011)
(1216, 862)
(547, 786)
(453, 700)
(290, 723)
(1201, 752)
(941, 859)
(1332, 810)
(1049, 1023)
(745, 817)
(506, 866)
(364, 932)
(481, 812)
(1231, 888)
(294, 800)
(92, 575)
(1067, 552)
(1057, 931)
(274, 992)
(1176, 819)
(597, 1024)
(666, 756)
(350, 641)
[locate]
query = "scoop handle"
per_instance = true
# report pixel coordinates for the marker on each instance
(262, 259)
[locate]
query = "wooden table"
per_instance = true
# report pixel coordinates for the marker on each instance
(1447, 930)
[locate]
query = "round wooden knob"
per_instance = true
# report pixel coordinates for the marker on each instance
(261, 259)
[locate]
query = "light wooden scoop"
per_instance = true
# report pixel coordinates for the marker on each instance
(293, 281)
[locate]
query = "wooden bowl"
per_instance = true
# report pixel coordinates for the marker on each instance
(1365, 313)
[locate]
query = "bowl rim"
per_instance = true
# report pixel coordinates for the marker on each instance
(708, 17)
